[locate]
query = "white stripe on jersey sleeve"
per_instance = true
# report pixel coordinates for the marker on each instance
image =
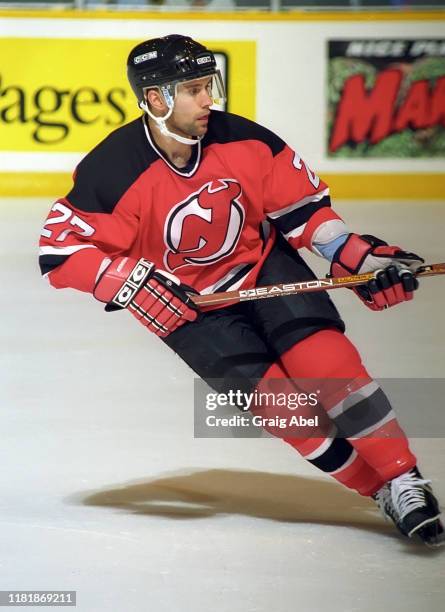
(297, 231)
(68, 250)
(307, 200)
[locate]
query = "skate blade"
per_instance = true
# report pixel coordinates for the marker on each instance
(432, 535)
(437, 543)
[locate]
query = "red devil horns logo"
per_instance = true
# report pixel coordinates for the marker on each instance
(205, 227)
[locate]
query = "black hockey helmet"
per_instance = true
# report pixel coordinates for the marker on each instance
(166, 60)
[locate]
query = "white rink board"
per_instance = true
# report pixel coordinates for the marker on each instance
(291, 74)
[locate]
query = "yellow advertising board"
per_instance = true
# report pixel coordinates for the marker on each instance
(65, 95)
(63, 88)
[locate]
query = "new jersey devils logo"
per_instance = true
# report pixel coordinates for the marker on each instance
(205, 227)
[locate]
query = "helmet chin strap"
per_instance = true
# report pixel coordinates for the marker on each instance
(160, 123)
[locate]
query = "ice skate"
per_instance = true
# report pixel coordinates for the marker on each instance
(409, 503)
(433, 534)
(415, 507)
(383, 500)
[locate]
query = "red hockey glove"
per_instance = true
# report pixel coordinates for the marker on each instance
(156, 298)
(394, 279)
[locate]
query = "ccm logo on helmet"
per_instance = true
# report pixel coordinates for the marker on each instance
(145, 56)
(203, 60)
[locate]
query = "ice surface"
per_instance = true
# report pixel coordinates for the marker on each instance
(105, 491)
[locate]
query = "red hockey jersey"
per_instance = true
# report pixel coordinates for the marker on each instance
(204, 223)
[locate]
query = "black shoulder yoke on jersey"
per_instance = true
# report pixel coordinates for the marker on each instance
(227, 127)
(105, 174)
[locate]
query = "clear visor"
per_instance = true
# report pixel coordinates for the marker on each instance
(215, 88)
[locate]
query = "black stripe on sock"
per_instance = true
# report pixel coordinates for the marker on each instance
(364, 414)
(334, 457)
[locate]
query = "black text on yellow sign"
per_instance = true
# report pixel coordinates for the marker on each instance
(66, 95)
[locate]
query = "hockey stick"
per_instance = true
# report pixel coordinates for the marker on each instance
(319, 284)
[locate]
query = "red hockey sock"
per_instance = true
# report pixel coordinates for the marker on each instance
(354, 402)
(334, 456)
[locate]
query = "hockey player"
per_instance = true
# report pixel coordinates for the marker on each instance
(175, 202)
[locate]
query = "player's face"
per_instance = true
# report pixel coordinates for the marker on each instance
(192, 107)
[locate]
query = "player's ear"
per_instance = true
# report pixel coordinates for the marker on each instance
(155, 100)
